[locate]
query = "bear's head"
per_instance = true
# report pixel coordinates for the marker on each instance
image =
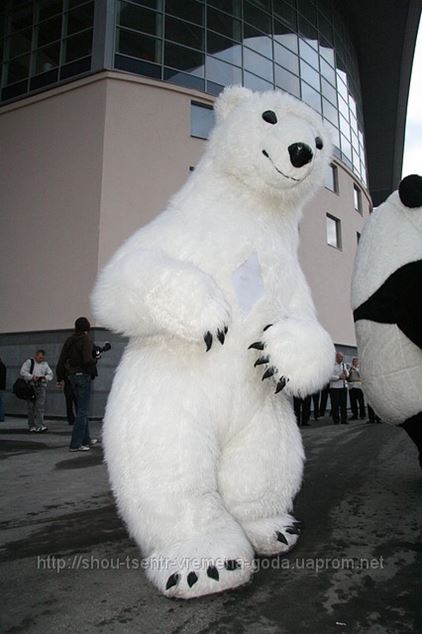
(272, 142)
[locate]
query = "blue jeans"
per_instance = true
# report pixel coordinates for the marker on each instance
(1, 407)
(81, 388)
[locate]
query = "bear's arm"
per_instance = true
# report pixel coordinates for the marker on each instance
(144, 292)
(299, 346)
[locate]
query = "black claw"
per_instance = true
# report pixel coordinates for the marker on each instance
(261, 361)
(298, 523)
(281, 538)
(226, 330)
(192, 579)
(220, 336)
(293, 530)
(212, 572)
(280, 385)
(268, 373)
(258, 345)
(208, 340)
(172, 581)
(232, 564)
(266, 327)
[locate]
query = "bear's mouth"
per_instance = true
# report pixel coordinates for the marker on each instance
(297, 180)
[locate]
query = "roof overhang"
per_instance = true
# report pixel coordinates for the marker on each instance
(384, 33)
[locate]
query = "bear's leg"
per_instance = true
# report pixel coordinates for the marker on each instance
(260, 473)
(163, 471)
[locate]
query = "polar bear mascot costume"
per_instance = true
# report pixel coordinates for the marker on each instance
(387, 304)
(203, 451)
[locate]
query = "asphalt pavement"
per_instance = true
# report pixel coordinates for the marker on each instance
(68, 565)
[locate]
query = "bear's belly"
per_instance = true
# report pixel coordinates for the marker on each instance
(391, 370)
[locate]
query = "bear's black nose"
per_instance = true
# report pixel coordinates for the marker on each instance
(300, 154)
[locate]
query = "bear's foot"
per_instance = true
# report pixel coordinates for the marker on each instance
(203, 565)
(273, 535)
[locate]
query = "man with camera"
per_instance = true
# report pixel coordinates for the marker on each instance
(78, 362)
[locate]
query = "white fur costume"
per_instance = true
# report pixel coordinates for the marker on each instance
(204, 458)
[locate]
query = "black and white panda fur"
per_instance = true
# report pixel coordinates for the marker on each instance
(387, 308)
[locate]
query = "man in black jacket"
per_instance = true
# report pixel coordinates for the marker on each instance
(78, 362)
(2, 387)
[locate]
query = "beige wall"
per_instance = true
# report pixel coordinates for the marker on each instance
(50, 185)
(84, 166)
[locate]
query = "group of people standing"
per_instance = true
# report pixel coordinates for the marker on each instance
(344, 381)
(75, 371)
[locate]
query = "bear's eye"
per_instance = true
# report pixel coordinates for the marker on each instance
(269, 116)
(318, 142)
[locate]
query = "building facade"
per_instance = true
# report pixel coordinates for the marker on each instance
(105, 109)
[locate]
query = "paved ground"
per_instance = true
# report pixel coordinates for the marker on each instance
(69, 566)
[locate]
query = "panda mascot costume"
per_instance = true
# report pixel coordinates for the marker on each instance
(387, 308)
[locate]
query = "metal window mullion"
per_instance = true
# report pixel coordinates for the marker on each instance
(103, 37)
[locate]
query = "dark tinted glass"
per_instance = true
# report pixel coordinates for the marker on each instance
(184, 59)
(255, 40)
(140, 19)
(224, 49)
(49, 31)
(188, 10)
(48, 8)
(17, 69)
(184, 33)
(222, 24)
(259, 19)
(19, 43)
(78, 46)
(138, 45)
(230, 6)
(45, 59)
(21, 18)
(80, 18)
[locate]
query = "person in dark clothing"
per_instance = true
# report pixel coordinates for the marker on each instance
(323, 400)
(338, 391)
(372, 417)
(78, 361)
(302, 408)
(70, 401)
(3, 373)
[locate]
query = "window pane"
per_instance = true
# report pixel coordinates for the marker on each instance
(286, 81)
(258, 65)
(256, 83)
(49, 31)
(333, 232)
(328, 91)
(357, 199)
(286, 58)
(224, 25)
(137, 45)
(311, 97)
(139, 18)
(259, 43)
(331, 179)
(48, 8)
(344, 127)
(80, 18)
(231, 6)
(17, 69)
(184, 59)
(46, 59)
(222, 73)
(78, 46)
(187, 10)
(259, 19)
(184, 33)
(310, 75)
(328, 71)
(20, 43)
(283, 35)
(151, 4)
(224, 48)
(285, 12)
(308, 54)
(21, 17)
(330, 112)
(201, 121)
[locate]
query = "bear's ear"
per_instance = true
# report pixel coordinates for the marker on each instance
(229, 99)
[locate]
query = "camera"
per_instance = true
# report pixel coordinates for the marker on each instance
(98, 350)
